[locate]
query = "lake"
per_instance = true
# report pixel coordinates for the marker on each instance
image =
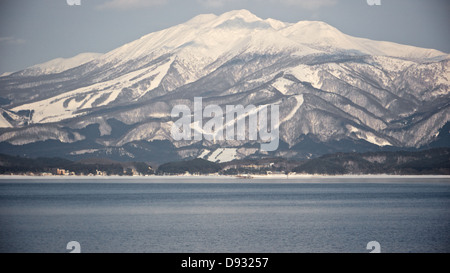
(219, 215)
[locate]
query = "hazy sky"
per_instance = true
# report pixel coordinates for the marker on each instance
(35, 31)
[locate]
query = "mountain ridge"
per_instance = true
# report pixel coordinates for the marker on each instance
(59, 64)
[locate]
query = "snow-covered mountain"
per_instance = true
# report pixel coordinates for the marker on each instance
(335, 91)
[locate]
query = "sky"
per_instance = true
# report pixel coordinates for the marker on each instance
(36, 31)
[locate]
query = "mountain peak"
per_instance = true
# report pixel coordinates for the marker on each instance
(317, 33)
(243, 14)
(239, 19)
(208, 19)
(202, 19)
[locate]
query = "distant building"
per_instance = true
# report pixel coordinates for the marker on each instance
(101, 173)
(251, 166)
(61, 172)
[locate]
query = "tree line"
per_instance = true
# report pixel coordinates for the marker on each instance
(433, 161)
(20, 165)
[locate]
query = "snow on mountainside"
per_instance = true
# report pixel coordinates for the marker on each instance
(60, 64)
(322, 36)
(6, 74)
(331, 87)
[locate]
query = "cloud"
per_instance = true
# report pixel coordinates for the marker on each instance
(130, 4)
(136, 4)
(11, 41)
(305, 4)
(213, 3)
(308, 4)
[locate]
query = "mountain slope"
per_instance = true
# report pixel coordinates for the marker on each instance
(331, 88)
(60, 64)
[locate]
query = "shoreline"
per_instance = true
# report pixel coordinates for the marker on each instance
(242, 178)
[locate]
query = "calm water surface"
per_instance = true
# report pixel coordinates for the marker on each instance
(209, 215)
